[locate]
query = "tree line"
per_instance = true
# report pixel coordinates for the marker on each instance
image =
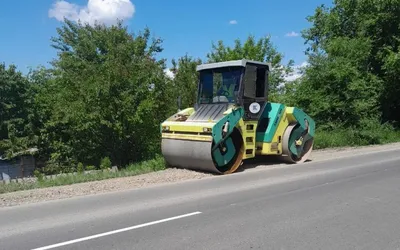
(106, 92)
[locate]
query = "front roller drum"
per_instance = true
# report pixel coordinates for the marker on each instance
(289, 145)
(195, 155)
(198, 155)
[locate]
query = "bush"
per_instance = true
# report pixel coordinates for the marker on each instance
(90, 167)
(369, 133)
(156, 164)
(80, 168)
(105, 163)
(38, 175)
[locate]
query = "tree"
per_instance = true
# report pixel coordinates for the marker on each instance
(41, 81)
(185, 80)
(337, 89)
(107, 97)
(259, 50)
(15, 107)
(348, 26)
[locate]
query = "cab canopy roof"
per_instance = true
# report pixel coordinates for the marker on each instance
(235, 63)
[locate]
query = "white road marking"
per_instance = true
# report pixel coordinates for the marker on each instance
(116, 231)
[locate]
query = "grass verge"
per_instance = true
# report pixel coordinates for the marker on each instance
(353, 137)
(154, 165)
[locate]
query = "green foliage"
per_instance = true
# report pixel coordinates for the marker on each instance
(38, 175)
(105, 163)
(15, 106)
(156, 164)
(80, 168)
(337, 87)
(360, 45)
(90, 168)
(56, 164)
(107, 96)
(185, 80)
(352, 137)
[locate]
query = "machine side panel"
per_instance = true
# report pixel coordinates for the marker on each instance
(275, 146)
(232, 116)
(299, 116)
(274, 113)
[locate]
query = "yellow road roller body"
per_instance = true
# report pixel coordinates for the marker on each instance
(233, 121)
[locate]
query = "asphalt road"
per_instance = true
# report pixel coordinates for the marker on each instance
(348, 203)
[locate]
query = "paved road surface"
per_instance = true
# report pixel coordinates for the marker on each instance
(351, 203)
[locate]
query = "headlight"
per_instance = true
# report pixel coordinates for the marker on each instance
(165, 128)
(207, 130)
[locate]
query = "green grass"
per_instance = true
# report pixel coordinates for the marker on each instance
(354, 137)
(156, 164)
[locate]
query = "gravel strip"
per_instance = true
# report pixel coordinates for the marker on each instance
(326, 154)
(145, 180)
(97, 187)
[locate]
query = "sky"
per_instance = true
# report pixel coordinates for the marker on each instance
(186, 27)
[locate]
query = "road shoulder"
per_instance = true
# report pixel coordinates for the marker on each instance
(165, 177)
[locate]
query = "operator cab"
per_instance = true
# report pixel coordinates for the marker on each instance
(240, 82)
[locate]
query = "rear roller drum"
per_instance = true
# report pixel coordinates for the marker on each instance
(296, 144)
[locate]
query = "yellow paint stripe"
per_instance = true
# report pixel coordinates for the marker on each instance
(290, 114)
(186, 123)
(187, 137)
(187, 126)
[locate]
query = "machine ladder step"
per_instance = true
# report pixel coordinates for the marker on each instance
(250, 139)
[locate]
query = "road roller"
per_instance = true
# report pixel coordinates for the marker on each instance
(232, 120)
